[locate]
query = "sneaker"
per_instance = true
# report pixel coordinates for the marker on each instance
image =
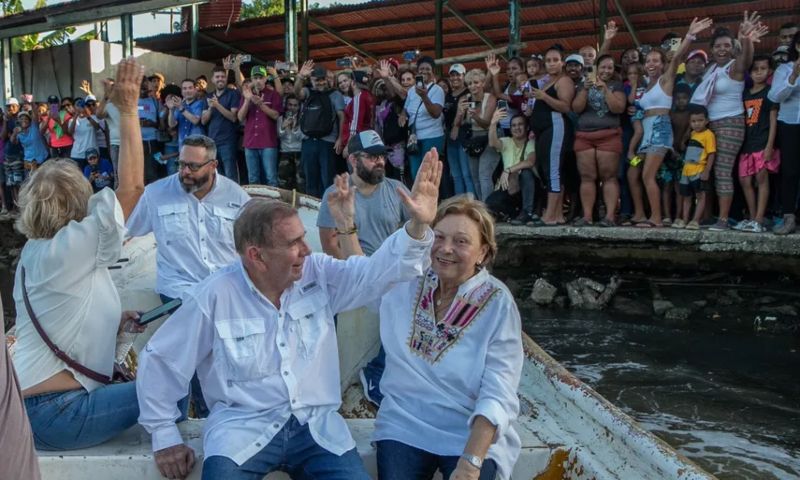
(741, 226)
(521, 219)
(693, 225)
(581, 222)
(667, 222)
(722, 225)
(753, 227)
(372, 392)
(679, 223)
(788, 226)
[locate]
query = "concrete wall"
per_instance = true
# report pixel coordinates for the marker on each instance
(60, 70)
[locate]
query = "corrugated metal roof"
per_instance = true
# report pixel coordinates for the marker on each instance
(389, 27)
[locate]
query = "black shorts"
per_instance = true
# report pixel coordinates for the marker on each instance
(693, 185)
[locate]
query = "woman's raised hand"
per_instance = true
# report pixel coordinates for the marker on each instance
(698, 26)
(125, 95)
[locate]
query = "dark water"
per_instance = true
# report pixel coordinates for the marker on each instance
(730, 402)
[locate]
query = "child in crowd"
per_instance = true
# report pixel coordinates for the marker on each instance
(669, 174)
(758, 157)
(289, 168)
(698, 162)
(99, 172)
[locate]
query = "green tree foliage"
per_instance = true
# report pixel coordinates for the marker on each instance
(261, 8)
(34, 40)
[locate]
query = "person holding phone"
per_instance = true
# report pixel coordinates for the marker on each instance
(424, 106)
(71, 297)
(56, 126)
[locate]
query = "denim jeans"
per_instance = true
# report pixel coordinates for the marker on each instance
(260, 162)
(424, 147)
(294, 451)
(373, 371)
(150, 148)
(459, 168)
(226, 154)
(317, 158)
(398, 461)
(79, 419)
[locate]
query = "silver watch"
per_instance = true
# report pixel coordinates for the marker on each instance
(473, 460)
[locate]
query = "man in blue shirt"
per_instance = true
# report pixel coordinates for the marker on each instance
(148, 120)
(222, 123)
(186, 114)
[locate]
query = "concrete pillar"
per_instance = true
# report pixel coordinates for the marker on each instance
(290, 28)
(514, 14)
(195, 28)
(126, 23)
(5, 67)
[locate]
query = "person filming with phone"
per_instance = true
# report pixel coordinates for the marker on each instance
(68, 308)
(424, 106)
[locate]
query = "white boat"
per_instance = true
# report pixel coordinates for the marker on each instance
(568, 431)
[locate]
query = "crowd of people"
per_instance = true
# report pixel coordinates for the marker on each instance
(253, 345)
(582, 138)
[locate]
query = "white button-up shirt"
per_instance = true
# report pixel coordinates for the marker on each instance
(194, 237)
(787, 94)
(441, 373)
(258, 365)
(72, 295)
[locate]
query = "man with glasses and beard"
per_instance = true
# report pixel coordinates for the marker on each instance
(379, 213)
(191, 214)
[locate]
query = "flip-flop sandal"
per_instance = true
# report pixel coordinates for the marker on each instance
(648, 224)
(606, 223)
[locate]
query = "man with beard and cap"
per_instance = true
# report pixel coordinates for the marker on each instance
(379, 213)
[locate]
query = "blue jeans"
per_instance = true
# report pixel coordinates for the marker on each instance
(226, 154)
(79, 419)
(398, 461)
(458, 160)
(261, 161)
(373, 372)
(318, 159)
(424, 147)
(294, 451)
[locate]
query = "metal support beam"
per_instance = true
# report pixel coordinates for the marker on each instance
(304, 26)
(337, 36)
(290, 29)
(29, 23)
(603, 21)
(438, 49)
(208, 38)
(5, 66)
(195, 29)
(126, 23)
(627, 22)
(514, 15)
(471, 26)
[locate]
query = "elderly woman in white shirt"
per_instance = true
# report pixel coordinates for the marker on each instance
(453, 359)
(63, 280)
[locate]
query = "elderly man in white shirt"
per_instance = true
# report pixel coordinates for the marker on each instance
(261, 335)
(191, 213)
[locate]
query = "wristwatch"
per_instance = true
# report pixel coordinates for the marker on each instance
(473, 460)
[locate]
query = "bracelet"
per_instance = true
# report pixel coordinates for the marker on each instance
(128, 114)
(691, 37)
(351, 231)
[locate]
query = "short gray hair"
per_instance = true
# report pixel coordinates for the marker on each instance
(255, 222)
(202, 141)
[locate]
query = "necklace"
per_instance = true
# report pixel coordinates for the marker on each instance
(441, 301)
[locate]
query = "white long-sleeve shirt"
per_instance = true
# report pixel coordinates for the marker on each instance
(440, 375)
(259, 365)
(787, 94)
(194, 237)
(72, 295)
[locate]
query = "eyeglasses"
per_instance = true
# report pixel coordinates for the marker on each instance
(371, 157)
(193, 167)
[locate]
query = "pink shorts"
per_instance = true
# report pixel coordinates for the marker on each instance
(752, 163)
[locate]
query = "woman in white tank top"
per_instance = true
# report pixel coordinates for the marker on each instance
(657, 138)
(725, 81)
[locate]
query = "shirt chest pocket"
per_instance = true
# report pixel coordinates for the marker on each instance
(311, 322)
(246, 348)
(174, 217)
(222, 219)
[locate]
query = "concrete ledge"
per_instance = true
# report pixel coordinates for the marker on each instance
(653, 248)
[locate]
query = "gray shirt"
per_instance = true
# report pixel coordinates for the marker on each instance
(377, 215)
(596, 115)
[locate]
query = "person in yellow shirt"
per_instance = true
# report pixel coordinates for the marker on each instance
(701, 149)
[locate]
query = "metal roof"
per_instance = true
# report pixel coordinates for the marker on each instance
(389, 27)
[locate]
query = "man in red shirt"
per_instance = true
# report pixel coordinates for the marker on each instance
(259, 111)
(359, 114)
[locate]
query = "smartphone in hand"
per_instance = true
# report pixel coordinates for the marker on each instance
(420, 81)
(158, 312)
